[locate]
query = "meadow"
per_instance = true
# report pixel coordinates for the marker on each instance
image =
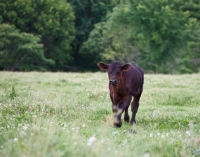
(69, 114)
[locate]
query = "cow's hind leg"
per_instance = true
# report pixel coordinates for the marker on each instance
(126, 116)
(134, 108)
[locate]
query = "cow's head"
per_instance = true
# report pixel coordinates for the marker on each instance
(114, 71)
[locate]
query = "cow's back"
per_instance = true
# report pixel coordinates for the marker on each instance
(133, 80)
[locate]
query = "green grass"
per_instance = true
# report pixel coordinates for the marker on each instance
(55, 114)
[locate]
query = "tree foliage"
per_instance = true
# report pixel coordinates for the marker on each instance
(193, 60)
(88, 13)
(162, 23)
(119, 42)
(160, 36)
(111, 40)
(193, 7)
(53, 20)
(150, 32)
(17, 48)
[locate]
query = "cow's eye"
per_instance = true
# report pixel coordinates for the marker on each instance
(118, 73)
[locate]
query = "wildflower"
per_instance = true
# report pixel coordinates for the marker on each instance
(25, 127)
(51, 123)
(83, 125)
(15, 139)
(102, 141)
(23, 133)
(188, 133)
(91, 140)
(34, 116)
(146, 155)
(151, 135)
(77, 130)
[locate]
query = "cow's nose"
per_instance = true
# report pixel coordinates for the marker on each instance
(113, 82)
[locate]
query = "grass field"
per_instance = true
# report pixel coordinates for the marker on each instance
(69, 115)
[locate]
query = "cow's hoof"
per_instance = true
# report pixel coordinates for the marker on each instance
(126, 118)
(132, 123)
(117, 125)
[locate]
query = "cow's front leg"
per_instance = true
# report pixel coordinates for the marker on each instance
(117, 117)
(119, 109)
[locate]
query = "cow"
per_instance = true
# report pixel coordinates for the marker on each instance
(125, 81)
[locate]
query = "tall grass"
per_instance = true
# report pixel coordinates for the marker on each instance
(69, 114)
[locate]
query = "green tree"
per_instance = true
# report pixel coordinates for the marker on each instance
(88, 13)
(53, 20)
(93, 47)
(119, 42)
(111, 40)
(164, 27)
(154, 34)
(114, 39)
(193, 7)
(16, 48)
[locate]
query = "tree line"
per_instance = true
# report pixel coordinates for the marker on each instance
(73, 35)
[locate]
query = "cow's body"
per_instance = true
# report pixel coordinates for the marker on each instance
(125, 82)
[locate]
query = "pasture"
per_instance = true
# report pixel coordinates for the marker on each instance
(69, 114)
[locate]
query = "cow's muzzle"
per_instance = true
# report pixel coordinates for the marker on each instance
(113, 82)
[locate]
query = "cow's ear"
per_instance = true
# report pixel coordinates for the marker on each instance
(102, 66)
(125, 67)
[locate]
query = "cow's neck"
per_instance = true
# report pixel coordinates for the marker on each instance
(115, 93)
